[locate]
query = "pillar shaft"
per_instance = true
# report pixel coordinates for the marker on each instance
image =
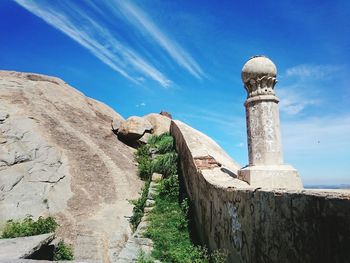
(263, 131)
(266, 168)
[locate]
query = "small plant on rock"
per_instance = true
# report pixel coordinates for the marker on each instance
(29, 227)
(63, 251)
(139, 205)
(142, 157)
(143, 258)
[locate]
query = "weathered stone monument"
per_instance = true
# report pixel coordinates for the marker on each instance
(266, 168)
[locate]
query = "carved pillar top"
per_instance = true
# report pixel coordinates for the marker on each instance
(259, 76)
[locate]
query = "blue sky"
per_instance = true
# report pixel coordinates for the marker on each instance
(186, 57)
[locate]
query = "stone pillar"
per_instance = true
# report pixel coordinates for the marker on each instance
(266, 168)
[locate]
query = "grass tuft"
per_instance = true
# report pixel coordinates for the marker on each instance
(168, 227)
(142, 157)
(165, 164)
(143, 258)
(163, 143)
(29, 227)
(63, 252)
(139, 205)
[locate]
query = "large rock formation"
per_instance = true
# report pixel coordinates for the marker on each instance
(22, 247)
(134, 128)
(141, 128)
(59, 156)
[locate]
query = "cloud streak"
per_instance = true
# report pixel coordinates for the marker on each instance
(315, 72)
(140, 20)
(293, 102)
(87, 26)
(307, 82)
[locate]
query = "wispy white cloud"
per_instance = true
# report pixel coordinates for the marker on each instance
(293, 101)
(144, 23)
(315, 72)
(81, 24)
(221, 121)
(308, 81)
(142, 104)
(240, 145)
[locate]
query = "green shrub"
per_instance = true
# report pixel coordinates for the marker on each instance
(145, 169)
(139, 206)
(169, 187)
(142, 152)
(165, 164)
(143, 258)
(143, 159)
(163, 143)
(155, 139)
(29, 227)
(218, 256)
(63, 252)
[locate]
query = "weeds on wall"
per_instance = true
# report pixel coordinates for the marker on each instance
(168, 221)
(29, 227)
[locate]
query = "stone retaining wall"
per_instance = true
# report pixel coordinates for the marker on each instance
(261, 225)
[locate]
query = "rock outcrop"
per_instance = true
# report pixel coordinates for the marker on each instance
(160, 124)
(134, 128)
(59, 156)
(141, 128)
(22, 247)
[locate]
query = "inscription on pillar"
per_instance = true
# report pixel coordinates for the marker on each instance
(264, 140)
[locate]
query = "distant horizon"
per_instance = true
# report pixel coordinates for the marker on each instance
(327, 186)
(186, 58)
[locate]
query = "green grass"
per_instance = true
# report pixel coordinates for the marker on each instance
(156, 139)
(142, 157)
(143, 258)
(29, 227)
(169, 231)
(165, 164)
(163, 143)
(63, 252)
(168, 227)
(168, 224)
(139, 206)
(166, 161)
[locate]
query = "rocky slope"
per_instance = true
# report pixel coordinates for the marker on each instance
(59, 156)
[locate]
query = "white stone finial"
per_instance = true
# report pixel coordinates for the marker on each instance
(266, 168)
(259, 76)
